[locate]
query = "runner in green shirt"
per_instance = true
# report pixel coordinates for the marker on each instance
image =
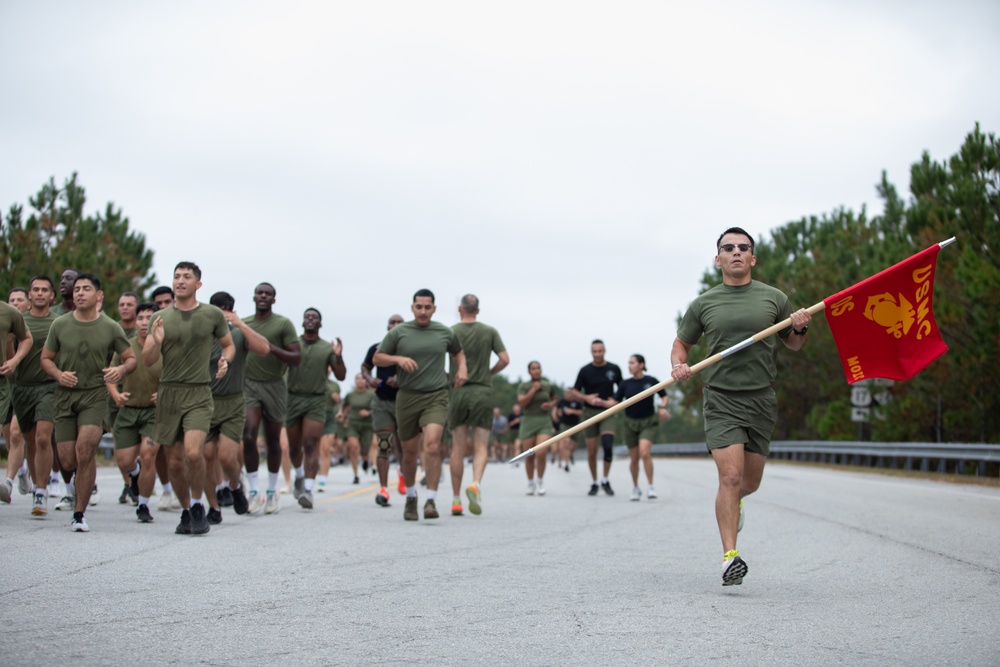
(357, 405)
(739, 404)
(77, 352)
(419, 348)
(471, 405)
(11, 322)
(537, 397)
(267, 396)
(307, 402)
(183, 336)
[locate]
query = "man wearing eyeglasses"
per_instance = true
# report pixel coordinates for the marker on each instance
(739, 402)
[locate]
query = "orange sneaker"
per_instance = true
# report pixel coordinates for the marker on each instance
(382, 497)
(402, 485)
(456, 507)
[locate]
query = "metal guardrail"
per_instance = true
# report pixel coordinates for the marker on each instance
(925, 456)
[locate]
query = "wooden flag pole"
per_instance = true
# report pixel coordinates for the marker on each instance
(697, 368)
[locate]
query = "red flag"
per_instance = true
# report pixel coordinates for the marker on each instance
(884, 326)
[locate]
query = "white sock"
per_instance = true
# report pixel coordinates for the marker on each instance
(143, 500)
(168, 488)
(300, 472)
(71, 489)
(411, 492)
(135, 471)
(321, 479)
(531, 480)
(9, 481)
(431, 494)
(53, 478)
(309, 484)
(272, 481)
(252, 480)
(604, 480)
(24, 466)
(196, 501)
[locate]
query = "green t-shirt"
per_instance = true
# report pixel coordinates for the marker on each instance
(143, 381)
(232, 382)
(331, 388)
(428, 346)
(544, 394)
(729, 314)
(478, 341)
(85, 347)
(187, 342)
(309, 377)
(58, 310)
(11, 322)
(278, 331)
(29, 371)
(357, 401)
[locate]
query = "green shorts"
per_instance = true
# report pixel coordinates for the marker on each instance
(417, 409)
(510, 435)
(132, 424)
(383, 414)
(113, 410)
(601, 427)
(33, 404)
(576, 437)
(471, 405)
(271, 396)
(73, 408)
(229, 417)
(6, 406)
(640, 429)
(330, 424)
(532, 425)
(305, 406)
(363, 432)
(340, 430)
(182, 408)
(733, 417)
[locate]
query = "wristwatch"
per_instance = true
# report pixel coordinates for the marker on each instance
(805, 330)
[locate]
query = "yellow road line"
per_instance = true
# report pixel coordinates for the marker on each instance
(350, 494)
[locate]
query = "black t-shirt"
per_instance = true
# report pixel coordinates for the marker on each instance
(630, 387)
(383, 373)
(513, 421)
(565, 419)
(600, 380)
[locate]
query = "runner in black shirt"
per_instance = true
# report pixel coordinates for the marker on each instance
(384, 416)
(595, 385)
(642, 420)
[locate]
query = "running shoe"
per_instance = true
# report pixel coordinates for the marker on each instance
(299, 487)
(66, 503)
(226, 497)
(214, 516)
(142, 514)
(593, 489)
(6, 486)
(356, 480)
(423, 481)
(541, 488)
(607, 488)
(123, 498)
(79, 524)
(184, 527)
(133, 486)
(321, 486)
(636, 493)
(199, 521)
(566, 468)
(531, 488)
(24, 485)
(651, 493)
(739, 525)
(95, 497)
(39, 506)
(132, 498)
(456, 507)
(401, 487)
(54, 488)
(364, 465)
(255, 503)
(475, 499)
(240, 503)
(733, 569)
(430, 510)
(165, 502)
(273, 503)
(410, 511)
(382, 497)
(306, 500)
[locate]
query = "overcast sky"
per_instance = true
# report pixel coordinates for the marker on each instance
(570, 163)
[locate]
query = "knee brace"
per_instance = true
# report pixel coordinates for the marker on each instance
(384, 443)
(608, 444)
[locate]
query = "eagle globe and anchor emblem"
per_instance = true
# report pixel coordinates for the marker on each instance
(896, 316)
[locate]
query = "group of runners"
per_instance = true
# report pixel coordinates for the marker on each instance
(190, 392)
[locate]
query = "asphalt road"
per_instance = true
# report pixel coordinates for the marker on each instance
(845, 568)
